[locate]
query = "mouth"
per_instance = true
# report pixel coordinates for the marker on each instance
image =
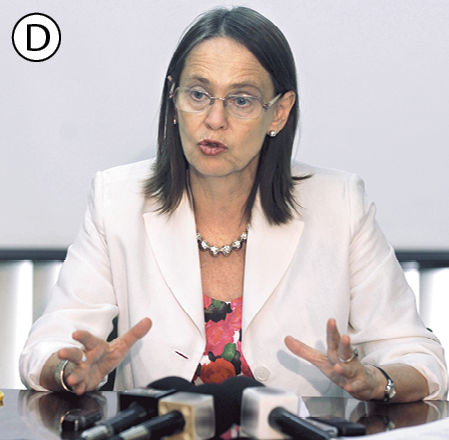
(211, 147)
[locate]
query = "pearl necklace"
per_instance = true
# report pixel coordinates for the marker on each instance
(226, 249)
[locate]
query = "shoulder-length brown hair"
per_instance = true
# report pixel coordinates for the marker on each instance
(274, 180)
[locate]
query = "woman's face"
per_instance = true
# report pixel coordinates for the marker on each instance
(215, 143)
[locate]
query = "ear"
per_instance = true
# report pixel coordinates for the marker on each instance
(171, 84)
(282, 111)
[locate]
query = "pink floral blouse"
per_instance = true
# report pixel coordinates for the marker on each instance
(223, 357)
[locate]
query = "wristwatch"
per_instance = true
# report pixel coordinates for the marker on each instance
(390, 389)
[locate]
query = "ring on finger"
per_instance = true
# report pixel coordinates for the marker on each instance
(354, 355)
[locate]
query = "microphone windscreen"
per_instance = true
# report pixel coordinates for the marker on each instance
(221, 404)
(234, 388)
(257, 404)
(197, 410)
(172, 382)
(227, 400)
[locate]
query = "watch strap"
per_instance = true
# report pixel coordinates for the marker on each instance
(390, 389)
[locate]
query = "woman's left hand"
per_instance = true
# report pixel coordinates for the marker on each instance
(363, 382)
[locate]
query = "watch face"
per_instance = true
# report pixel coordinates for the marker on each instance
(391, 390)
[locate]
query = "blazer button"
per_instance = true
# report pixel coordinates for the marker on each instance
(261, 373)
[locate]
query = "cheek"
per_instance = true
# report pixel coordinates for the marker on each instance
(186, 131)
(254, 142)
(255, 136)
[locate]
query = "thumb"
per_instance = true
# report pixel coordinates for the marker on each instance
(300, 349)
(292, 344)
(137, 332)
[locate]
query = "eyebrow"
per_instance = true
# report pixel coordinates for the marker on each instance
(232, 86)
(198, 78)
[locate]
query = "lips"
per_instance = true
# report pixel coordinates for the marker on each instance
(211, 147)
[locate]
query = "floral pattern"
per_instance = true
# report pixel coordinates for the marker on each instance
(222, 358)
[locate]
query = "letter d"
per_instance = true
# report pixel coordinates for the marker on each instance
(29, 31)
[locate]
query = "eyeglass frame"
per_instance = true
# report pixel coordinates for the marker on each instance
(265, 106)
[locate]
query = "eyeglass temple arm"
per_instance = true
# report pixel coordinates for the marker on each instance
(273, 101)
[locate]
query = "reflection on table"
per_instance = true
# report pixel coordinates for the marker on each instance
(35, 415)
(379, 417)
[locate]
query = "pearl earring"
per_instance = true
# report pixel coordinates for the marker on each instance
(272, 133)
(175, 121)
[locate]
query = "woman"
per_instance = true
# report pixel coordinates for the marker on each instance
(284, 252)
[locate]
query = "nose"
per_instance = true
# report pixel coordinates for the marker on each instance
(216, 117)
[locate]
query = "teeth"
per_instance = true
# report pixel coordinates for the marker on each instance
(212, 144)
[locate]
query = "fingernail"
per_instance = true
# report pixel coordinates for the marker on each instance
(84, 358)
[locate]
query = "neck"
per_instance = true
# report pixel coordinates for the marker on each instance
(220, 201)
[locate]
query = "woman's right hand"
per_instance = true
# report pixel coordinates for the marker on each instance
(87, 367)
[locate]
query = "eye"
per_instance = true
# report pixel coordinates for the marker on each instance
(242, 100)
(198, 95)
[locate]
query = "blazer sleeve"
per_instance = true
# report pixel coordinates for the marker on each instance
(83, 297)
(384, 323)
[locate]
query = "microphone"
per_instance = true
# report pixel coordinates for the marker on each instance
(205, 412)
(293, 426)
(191, 415)
(270, 413)
(172, 382)
(123, 420)
(229, 404)
(227, 398)
(136, 406)
(149, 396)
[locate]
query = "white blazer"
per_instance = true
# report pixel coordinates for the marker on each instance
(330, 261)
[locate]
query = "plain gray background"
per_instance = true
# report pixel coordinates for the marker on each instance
(374, 94)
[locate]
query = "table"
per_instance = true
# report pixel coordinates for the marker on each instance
(31, 415)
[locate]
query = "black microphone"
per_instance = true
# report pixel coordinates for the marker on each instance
(149, 396)
(205, 412)
(162, 426)
(271, 413)
(136, 406)
(295, 426)
(123, 420)
(170, 382)
(228, 406)
(227, 398)
(186, 413)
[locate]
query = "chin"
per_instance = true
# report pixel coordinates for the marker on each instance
(210, 166)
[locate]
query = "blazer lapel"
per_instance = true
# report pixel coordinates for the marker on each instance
(173, 240)
(269, 252)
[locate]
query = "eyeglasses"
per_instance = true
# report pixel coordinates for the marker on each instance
(240, 106)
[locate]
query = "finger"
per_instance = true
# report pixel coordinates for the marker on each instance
(75, 378)
(142, 327)
(73, 354)
(73, 374)
(348, 371)
(333, 335)
(304, 351)
(136, 332)
(293, 345)
(333, 340)
(345, 350)
(79, 389)
(89, 341)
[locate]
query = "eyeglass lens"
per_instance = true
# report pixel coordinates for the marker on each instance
(240, 106)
